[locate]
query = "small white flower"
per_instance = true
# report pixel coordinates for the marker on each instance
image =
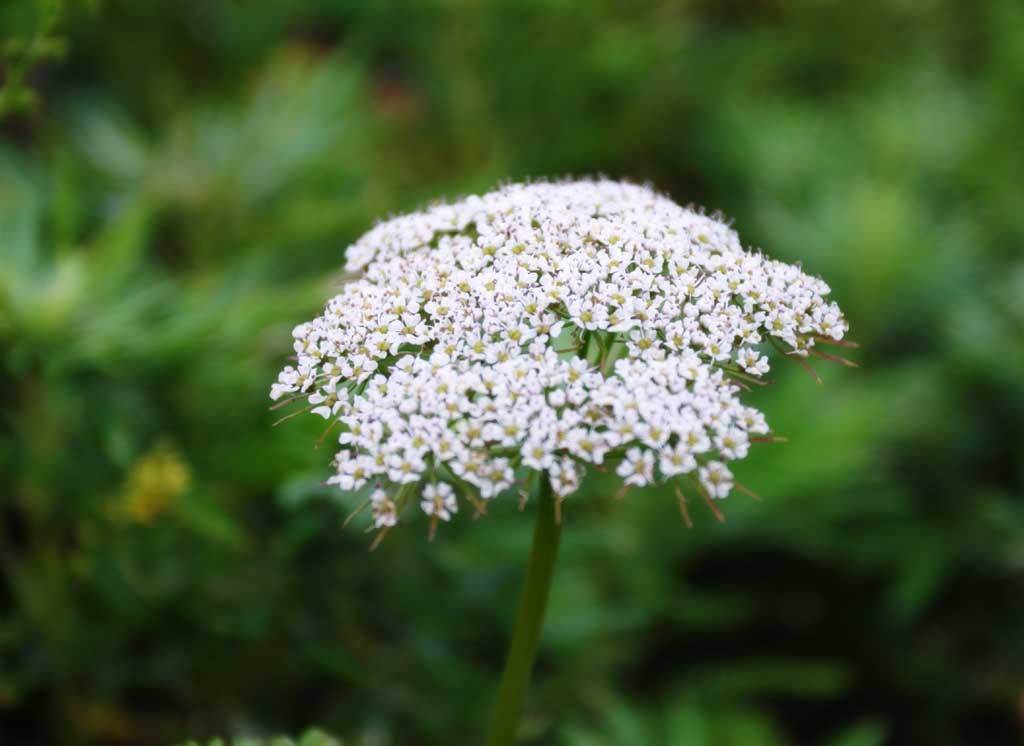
(752, 361)
(439, 500)
(637, 468)
(716, 479)
(385, 513)
(405, 467)
(565, 477)
(676, 460)
(537, 455)
(733, 443)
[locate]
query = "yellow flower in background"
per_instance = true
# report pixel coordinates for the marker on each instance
(153, 484)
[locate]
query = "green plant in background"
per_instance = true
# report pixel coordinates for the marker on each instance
(181, 193)
(40, 40)
(309, 738)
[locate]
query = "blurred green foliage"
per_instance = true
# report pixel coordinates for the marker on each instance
(176, 192)
(309, 738)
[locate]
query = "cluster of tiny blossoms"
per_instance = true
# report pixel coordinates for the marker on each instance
(548, 327)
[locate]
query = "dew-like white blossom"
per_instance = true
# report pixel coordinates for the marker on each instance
(637, 467)
(548, 326)
(439, 500)
(384, 511)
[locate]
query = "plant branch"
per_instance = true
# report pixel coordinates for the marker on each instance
(529, 619)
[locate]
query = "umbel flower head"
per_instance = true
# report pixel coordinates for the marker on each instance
(548, 327)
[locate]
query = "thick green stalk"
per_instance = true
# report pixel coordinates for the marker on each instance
(529, 619)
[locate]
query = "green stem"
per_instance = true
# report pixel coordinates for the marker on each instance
(529, 619)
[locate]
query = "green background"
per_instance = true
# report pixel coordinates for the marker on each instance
(178, 182)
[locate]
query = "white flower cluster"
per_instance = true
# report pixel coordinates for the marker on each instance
(548, 326)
